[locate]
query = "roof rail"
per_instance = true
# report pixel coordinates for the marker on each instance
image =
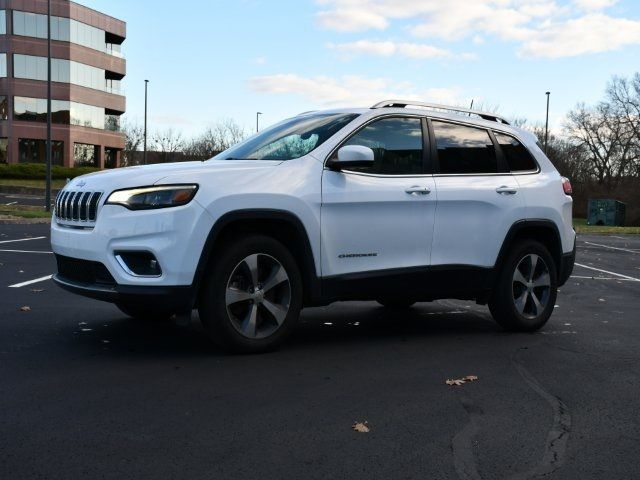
(492, 117)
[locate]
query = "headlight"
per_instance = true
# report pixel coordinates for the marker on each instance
(147, 198)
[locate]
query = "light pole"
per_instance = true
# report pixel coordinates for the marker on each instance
(258, 121)
(47, 197)
(546, 128)
(144, 155)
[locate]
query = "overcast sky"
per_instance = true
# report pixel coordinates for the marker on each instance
(214, 59)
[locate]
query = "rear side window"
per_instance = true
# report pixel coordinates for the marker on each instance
(463, 149)
(396, 143)
(517, 156)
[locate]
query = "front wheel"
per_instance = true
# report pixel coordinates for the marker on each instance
(253, 295)
(526, 289)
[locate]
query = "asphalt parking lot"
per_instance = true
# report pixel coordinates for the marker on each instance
(86, 392)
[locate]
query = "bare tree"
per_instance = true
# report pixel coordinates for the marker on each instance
(215, 139)
(134, 138)
(168, 143)
(607, 138)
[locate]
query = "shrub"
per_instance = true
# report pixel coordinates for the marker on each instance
(37, 171)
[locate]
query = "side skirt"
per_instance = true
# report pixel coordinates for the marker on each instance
(421, 284)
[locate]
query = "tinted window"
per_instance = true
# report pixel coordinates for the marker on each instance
(518, 157)
(292, 138)
(396, 145)
(464, 149)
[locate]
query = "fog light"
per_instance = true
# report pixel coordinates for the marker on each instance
(139, 264)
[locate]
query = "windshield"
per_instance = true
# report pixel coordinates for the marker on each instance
(292, 138)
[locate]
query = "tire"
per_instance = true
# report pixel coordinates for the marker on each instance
(513, 301)
(144, 313)
(252, 295)
(396, 304)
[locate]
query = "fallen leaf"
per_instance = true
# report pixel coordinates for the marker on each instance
(25, 309)
(362, 427)
(456, 382)
(461, 381)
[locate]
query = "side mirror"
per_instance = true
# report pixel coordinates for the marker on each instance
(352, 156)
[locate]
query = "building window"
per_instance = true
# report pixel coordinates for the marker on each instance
(35, 151)
(3, 22)
(110, 158)
(62, 29)
(85, 155)
(3, 64)
(4, 108)
(4, 145)
(64, 112)
(63, 71)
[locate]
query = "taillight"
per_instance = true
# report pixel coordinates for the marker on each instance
(566, 186)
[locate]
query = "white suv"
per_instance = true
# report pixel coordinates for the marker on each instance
(400, 203)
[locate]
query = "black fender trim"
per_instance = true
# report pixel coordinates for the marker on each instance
(307, 262)
(532, 223)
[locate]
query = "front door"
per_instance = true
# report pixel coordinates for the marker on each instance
(380, 217)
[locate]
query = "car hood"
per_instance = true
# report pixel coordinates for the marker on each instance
(144, 175)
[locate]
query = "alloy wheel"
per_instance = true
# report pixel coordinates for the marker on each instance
(258, 296)
(531, 286)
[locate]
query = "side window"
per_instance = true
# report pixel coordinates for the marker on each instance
(463, 149)
(517, 156)
(396, 144)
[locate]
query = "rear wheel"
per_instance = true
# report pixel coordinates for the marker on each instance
(252, 296)
(526, 289)
(146, 313)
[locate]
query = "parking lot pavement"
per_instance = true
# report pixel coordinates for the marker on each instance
(21, 199)
(87, 392)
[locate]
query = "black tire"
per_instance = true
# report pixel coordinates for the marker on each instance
(228, 325)
(396, 303)
(144, 313)
(506, 303)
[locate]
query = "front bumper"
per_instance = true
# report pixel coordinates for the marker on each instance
(171, 299)
(174, 236)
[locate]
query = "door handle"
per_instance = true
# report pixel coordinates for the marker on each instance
(504, 190)
(416, 190)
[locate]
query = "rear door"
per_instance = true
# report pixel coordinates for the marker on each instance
(478, 198)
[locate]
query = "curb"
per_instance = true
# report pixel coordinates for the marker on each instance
(26, 190)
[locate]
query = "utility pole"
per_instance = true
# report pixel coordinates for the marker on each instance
(546, 128)
(144, 156)
(47, 197)
(258, 121)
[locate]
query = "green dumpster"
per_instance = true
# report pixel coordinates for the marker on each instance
(607, 212)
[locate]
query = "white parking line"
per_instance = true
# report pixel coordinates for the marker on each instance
(31, 282)
(613, 248)
(22, 239)
(581, 277)
(23, 251)
(607, 271)
(10, 203)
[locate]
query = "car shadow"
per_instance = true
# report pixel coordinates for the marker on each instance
(345, 322)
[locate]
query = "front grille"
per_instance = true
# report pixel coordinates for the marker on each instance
(83, 271)
(74, 206)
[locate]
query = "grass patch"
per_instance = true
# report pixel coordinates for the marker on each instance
(37, 171)
(580, 225)
(24, 211)
(18, 182)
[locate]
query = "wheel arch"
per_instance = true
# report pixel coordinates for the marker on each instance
(282, 225)
(544, 231)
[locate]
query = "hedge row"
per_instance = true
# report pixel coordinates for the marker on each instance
(37, 171)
